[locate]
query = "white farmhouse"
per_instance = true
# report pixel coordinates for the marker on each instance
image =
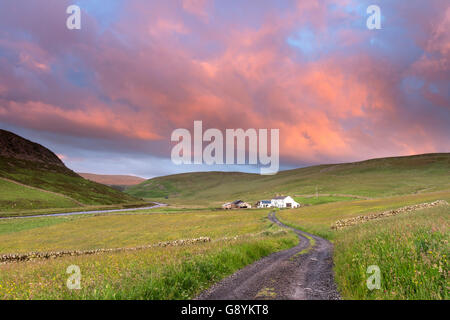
(284, 202)
(264, 204)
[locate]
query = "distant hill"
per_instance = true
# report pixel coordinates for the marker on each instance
(370, 178)
(27, 164)
(113, 180)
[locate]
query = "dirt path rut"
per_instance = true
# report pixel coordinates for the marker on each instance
(304, 272)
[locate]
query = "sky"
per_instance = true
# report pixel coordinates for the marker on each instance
(107, 97)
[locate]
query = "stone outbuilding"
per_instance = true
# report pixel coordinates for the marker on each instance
(238, 204)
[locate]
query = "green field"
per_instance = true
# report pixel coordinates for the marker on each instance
(125, 230)
(159, 273)
(399, 245)
(238, 238)
(411, 249)
(372, 178)
(319, 219)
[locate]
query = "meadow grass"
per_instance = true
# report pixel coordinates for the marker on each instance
(125, 230)
(9, 226)
(156, 273)
(319, 219)
(15, 197)
(411, 251)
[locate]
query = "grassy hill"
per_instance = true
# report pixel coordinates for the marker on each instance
(60, 180)
(33, 177)
(371, 178)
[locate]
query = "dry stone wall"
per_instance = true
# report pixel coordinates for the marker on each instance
(361, 219)
(21, 257)
(30, 256)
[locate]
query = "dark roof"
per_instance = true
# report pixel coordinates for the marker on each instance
(265, 201)
(237, 202)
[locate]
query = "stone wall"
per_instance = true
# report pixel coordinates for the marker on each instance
(361, 219)
(30, 256)
(21, 257)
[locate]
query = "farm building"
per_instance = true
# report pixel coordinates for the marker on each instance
(238, 204)
(226, 205)
(264, 204)
(278, 202)
(284, 202)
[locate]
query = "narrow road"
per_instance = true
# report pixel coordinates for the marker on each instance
(304, 272)
(156, 205)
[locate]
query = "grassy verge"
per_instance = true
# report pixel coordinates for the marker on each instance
(157, 273)
(411, 251)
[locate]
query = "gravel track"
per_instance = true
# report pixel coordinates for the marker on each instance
(304, 272)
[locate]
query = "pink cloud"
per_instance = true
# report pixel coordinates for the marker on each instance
(94, 121)
(164, 71)
(197, 7)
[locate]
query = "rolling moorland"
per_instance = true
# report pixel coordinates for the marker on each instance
(410, 248)
(368, 179)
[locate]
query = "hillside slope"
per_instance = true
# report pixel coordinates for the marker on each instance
(371, 178)
(12, 198)
(33, 165)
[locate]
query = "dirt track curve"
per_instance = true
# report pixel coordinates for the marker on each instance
(304, 272)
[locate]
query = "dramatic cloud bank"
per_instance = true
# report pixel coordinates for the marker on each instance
(108, 96)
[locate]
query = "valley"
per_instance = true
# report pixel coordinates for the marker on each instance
(191, 246)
